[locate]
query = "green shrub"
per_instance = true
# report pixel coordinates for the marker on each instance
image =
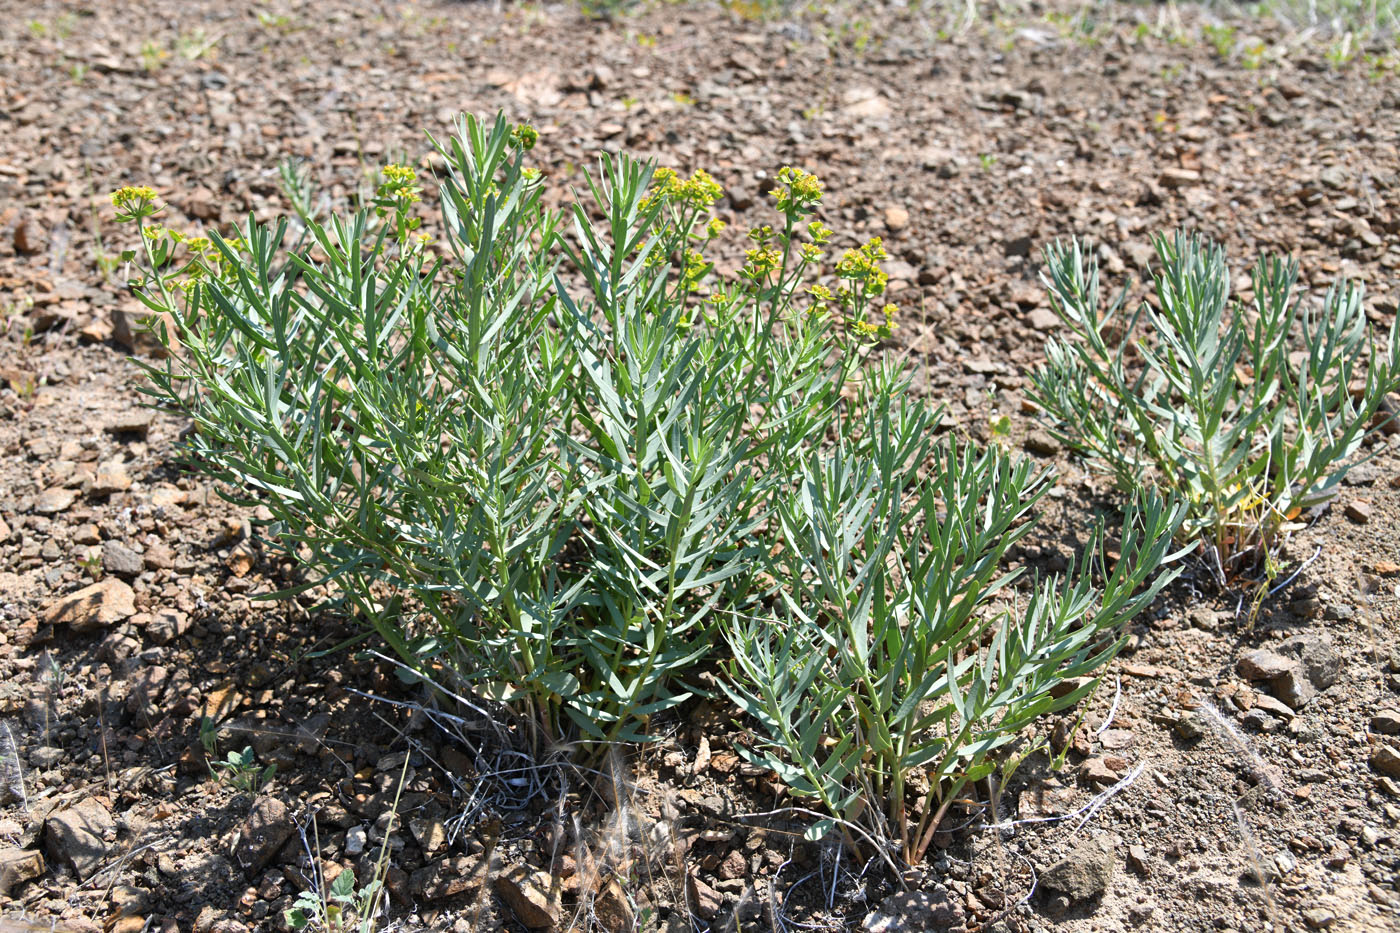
(1249, 414)
(561, 467)
(543, 463)
(898, 665)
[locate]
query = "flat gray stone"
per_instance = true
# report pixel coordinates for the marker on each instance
(1084, 874)
(120, 560)
(81, 836)
(1320, 660)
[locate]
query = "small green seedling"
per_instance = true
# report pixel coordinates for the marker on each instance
(240, 770)
(342, 910)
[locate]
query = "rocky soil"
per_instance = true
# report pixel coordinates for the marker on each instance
(1228, 777)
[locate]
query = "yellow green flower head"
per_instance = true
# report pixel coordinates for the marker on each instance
(530, 173)
(810, 253)
(663, 182)
(761, 262)
(694, 269)
(714, 228)
(134, 202)
(889, 311)
(863, 265)
(133, 194)
(400, 174)
(524, 136)
(820, 292)
(700, 190)
(398, 190)
(818, 231)
(656, 258)
(798, 192)
(761, 235)
(877, 331)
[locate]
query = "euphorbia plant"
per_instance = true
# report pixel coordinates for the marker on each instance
(1252, 413)
(559, 464)
(540, 459)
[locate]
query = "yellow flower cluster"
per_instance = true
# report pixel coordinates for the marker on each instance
(129, 194)
(877, 331)
(761, 262)
(400, 183)
(863, 265)
(134, 202)
(400, 174)
(699, 191)
(761, 235)
(798, 192)
(693, 270)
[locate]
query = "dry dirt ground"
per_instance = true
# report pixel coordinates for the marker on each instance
(1240, 804)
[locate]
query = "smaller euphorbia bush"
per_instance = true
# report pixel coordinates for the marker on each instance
(1252, 413)
(899, 663)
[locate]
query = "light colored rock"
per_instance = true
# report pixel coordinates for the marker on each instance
(1294, 688)
(111, 479)
(1263, 664)
(93, 607)
(1179, 178)
(430, 833)
(1386, 722)
(1083, 874)
(1386, 760)
(527, 893)
(703, 899)
(1042, 319)
(896, 217)
(120, 560)
(1285, 675)
(864, 102)
(18, 866)
(1319, 918)
(55, 500)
